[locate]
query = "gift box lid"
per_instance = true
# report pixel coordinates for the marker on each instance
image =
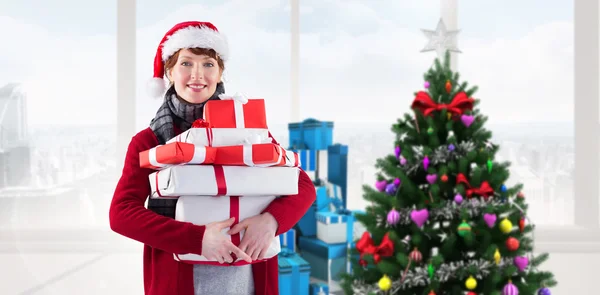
(288, 259)
(332, 217)
(322, 249)
(310, 123)
(338, 149)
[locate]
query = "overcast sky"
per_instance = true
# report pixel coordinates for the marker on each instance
(357, 57)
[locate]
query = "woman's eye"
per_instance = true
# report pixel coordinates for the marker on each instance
(209, 64)
(186, 63)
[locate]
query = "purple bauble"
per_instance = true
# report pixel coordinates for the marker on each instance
(426, 84)
(393, 217)
(397, 151)
(397, 182)
(390, 189)
(544, 291)
(458, 199)
(402, 161)
(426, 163)
(451, 147)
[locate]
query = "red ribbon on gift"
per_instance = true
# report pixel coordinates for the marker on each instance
(221, 183)
(484, 189)
(201, 123)
(459, 104)
(365, 246)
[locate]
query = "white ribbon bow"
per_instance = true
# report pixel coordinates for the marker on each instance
(236, 97)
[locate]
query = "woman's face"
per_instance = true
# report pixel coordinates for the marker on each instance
(195, 77)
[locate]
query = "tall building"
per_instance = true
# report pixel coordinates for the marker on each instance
(15, 155)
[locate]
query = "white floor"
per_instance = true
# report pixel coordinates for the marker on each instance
(120, 272)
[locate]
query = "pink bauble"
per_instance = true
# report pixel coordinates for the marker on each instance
(393, 217)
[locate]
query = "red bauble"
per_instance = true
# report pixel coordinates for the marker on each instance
(431, 293)
(416, 256)
(471, 293)
(512, 244)
(522, 224)
(448, 86)
(362, 262)
(444, 178)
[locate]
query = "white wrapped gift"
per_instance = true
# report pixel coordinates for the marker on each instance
(205, 180)
(217, 137)
(202, 210)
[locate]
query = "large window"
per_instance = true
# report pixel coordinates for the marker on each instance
(57, 116)
(259, 38)
(361, 74)
(359, 65)
(523, 65)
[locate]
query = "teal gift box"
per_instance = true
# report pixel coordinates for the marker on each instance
(327, 261)
(294, 273)
(311, 134)
(319, 289)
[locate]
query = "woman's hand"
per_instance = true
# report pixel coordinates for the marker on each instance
(218, 246)
(259, 233)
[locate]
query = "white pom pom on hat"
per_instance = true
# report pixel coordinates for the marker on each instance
(192, 34)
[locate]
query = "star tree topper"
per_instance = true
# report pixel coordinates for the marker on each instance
(441, 40)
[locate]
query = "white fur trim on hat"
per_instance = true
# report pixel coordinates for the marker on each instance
(156, 87)
(193, 36)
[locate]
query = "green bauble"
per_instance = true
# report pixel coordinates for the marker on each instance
(463, 229)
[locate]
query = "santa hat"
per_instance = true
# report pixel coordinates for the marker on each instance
(190, 34)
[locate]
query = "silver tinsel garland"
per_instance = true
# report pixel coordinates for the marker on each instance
(440, 155)
(419, 277)
(474, 207)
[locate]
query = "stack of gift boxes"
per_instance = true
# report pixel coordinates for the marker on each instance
(224, 166)
(328, 230)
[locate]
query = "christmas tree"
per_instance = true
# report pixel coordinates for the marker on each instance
(441, 219)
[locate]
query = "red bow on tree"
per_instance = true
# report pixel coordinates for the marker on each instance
(365, 246)
(459, 104)
(200, 123)
(484, 189)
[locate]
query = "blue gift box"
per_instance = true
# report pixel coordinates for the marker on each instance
(337, 168)
(308, 159)
(288, 240)
(294, 274)
(319, 289)
(307, 226)
(327, 261)
(334, 227)
(323, 200)
(311, 134)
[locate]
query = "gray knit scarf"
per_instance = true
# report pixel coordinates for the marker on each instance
(176, 112)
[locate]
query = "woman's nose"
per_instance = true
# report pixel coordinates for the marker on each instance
(196, 73)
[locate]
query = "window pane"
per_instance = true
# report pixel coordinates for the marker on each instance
(259, 39)
(523, 66)
(57, 116)
(360, 64)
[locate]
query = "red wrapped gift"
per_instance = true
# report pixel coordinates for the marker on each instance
(259, 155)
(176, 153)
(231, 113)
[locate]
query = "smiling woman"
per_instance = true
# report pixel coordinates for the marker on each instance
(195, 73)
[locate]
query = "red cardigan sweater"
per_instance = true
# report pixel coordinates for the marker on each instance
(162, 236)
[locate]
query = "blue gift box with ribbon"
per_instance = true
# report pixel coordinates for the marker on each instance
(294, 273)
(288, 240)
(308, 223)
(311, 133)
(319, 289)
(334, 227)
(327, 261)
